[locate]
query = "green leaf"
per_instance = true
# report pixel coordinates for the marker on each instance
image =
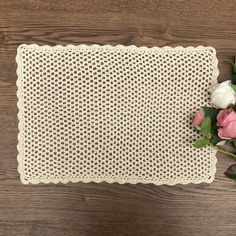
(232, 106)
(214, 139)
(234, 68)
(233, 79)
(233, 86)
(211, 112)
(233, 141)
(231, 172)
(206, 127)
(200, 143)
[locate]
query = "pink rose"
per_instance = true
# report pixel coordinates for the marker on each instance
(226, 120)
(199, 117)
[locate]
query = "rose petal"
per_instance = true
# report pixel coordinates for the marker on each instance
(222, 100)
(199, 117)
(225, 116)
(228, 132)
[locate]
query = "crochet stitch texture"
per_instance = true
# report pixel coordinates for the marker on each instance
(116, 114)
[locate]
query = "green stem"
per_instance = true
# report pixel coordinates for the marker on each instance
(223, 151)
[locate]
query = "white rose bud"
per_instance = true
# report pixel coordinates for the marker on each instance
(222, 95)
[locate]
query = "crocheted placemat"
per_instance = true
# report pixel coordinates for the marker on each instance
(116, 114)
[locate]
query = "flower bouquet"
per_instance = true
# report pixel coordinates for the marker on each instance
(217, 124)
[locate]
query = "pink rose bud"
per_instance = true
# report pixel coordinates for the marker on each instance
(226, 121)
(199, 117)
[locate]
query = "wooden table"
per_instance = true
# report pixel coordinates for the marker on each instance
(111, 209)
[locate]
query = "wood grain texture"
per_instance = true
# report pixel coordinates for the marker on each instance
(111, 209)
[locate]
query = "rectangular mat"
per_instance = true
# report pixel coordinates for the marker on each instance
(116, 114)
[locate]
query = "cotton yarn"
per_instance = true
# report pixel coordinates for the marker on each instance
(116, 114)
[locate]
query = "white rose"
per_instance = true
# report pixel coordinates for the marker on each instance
(222, 95)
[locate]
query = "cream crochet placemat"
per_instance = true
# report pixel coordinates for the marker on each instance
(116, 114)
